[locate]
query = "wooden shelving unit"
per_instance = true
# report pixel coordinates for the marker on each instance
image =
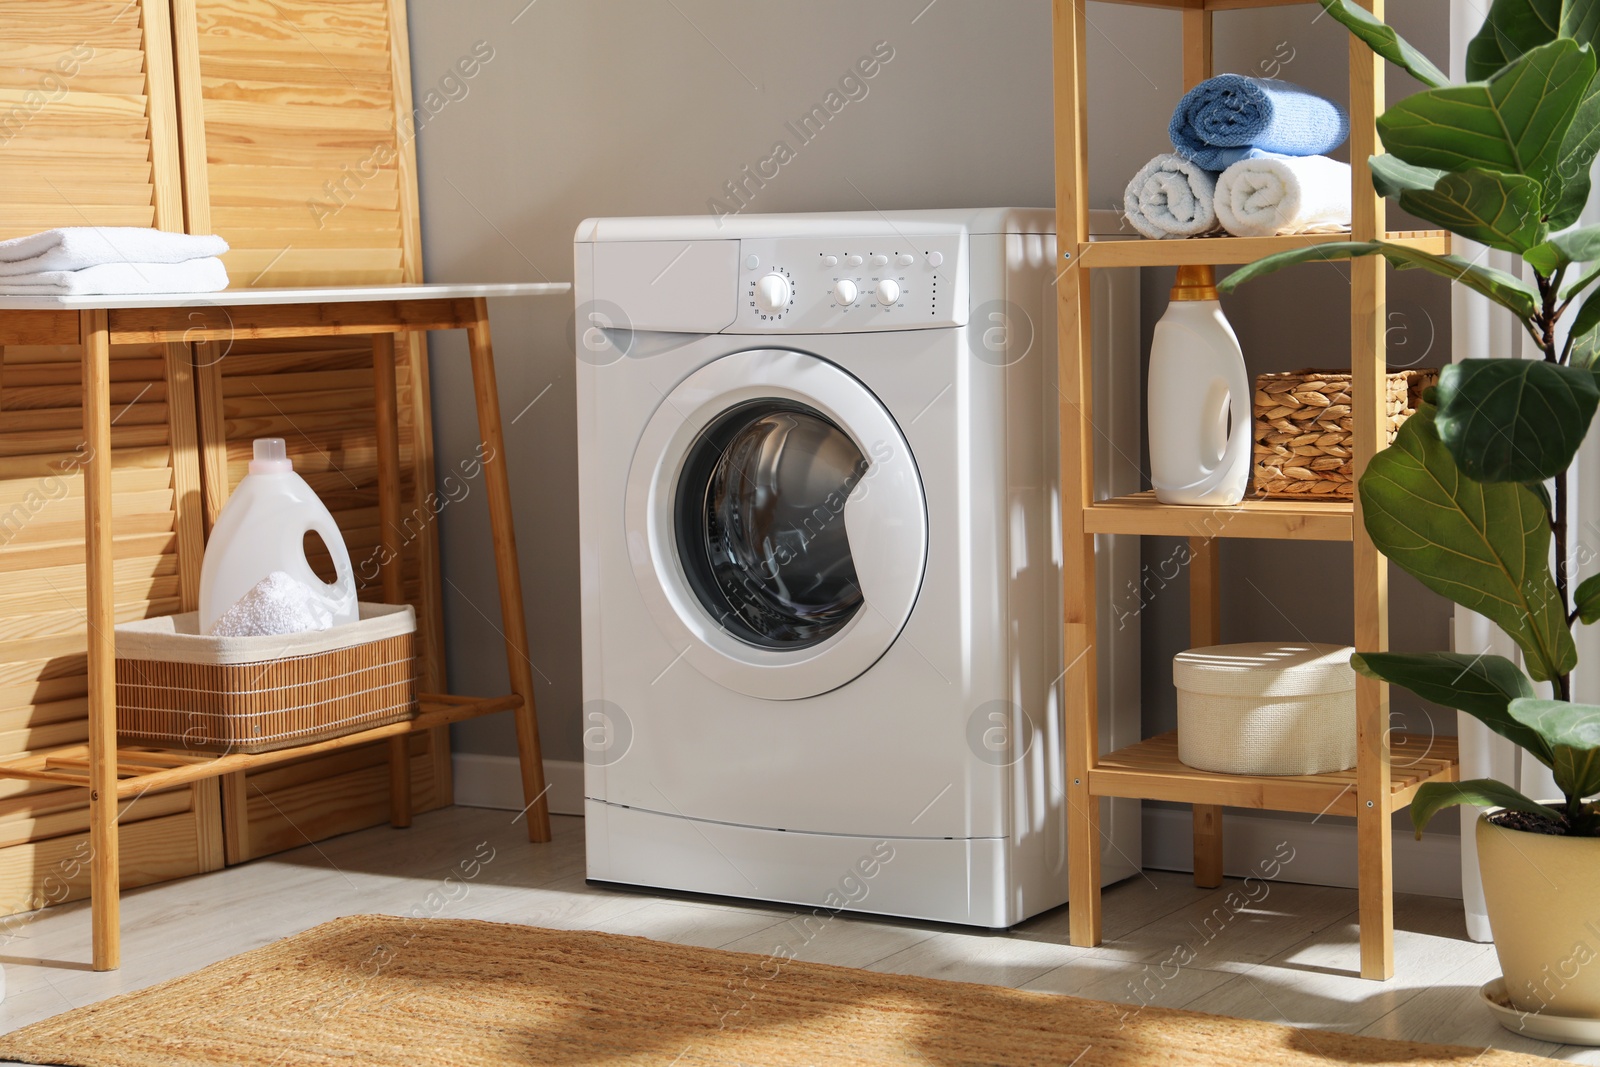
(194, 329)
(1389, 768)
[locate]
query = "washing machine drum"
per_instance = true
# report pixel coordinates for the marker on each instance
(785, 530)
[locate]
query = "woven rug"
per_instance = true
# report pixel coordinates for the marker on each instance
(387, 991)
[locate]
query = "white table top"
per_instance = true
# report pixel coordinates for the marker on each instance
(260, 297)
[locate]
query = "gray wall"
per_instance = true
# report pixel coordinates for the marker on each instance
(650, 106)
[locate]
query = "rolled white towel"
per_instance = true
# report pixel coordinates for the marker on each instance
(1273, 194)
(1171, 197)
(121, 279)
(77, 247)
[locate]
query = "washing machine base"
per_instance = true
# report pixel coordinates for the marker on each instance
(964, 881)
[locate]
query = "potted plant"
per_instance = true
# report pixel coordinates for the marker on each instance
(1473, 494)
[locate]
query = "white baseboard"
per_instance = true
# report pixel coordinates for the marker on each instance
(483, 781)
(1325, 852)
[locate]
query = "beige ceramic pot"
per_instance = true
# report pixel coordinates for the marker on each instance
(1543, 896)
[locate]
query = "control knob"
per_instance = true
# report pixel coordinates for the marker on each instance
(772, 294)
(888, 291)
(845, 292)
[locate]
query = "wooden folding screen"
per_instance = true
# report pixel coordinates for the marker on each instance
(297, 148)
(88, 136)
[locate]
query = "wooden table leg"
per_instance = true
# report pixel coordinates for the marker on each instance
(1205, 628)
(498, 484)
(104, 865)
(387, 404)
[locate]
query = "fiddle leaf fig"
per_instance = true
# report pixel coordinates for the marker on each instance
(1483, 545)
(1513, 123)
(1573, 733)
(1434, 797)
(1499, 210)
(1507, 290)
(1481, 686)
(1382, 39)
(1514, 420)
(1587, 599)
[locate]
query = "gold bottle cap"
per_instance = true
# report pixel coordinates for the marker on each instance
(1195, 282)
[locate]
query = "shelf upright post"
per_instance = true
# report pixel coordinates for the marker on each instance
(1368, 367)
(1078, 696)
(1205, 574)
(100, 594)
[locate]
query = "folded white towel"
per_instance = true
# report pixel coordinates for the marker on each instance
(1171, 197)
(1273, 194)
(121, 279)
(77, 247)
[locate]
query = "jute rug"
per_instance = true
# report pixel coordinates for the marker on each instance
(456, 993)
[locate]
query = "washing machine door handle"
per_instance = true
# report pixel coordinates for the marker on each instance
(886, 523)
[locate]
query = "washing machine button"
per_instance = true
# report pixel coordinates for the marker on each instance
(830, 261)
(879, 260)
(852, 261)
(935, 259)
(751, 262)
(903, 259)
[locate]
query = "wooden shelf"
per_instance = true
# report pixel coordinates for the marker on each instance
(1143, 252)
(1151, 770)
(141, 770)
(1142, 513)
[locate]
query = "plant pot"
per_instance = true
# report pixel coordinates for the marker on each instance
(1545, 914)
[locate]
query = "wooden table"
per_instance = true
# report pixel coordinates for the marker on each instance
(209, 322)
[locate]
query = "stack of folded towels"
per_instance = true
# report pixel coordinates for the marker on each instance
(111, 260)
(1249, 159)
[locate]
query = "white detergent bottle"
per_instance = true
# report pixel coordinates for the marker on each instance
(1199, 399)
(262, 529)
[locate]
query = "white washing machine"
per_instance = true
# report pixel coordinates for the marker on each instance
(820, 561)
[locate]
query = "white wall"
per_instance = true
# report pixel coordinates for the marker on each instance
(616, 107)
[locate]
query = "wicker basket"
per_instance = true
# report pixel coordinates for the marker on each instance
(177, 688)
(1304, 442)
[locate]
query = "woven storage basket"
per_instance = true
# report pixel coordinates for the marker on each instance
(177, 688)
(1304, 442)
(1266, 708)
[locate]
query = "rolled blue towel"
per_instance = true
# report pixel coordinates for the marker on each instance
(1232, 117)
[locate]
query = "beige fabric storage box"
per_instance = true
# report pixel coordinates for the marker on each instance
(178, 688)
(1266, 708)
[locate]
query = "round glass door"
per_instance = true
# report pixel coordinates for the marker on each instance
(776, 524)
(760, 524)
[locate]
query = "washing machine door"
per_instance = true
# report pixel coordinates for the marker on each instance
(776, 524)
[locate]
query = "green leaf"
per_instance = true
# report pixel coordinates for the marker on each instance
(1573, 733)
(1573, 246)
(1585, 336)
(1510, 29)
(1485, 546)
(1382, 39)
(1481, 686)
(1504, 289)
(1513, 123)
(1514, 420)
(1578, 150)
(1587, 599)
(1498, 210)
(1392, 175)
(1434, 797)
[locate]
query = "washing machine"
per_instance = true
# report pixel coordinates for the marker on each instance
(820, 562)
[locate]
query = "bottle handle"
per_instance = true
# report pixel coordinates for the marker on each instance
(1240, 439)
(341, 592)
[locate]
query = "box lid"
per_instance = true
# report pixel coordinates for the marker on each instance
(1265, 669)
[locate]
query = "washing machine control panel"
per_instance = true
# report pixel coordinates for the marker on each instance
(851, 284)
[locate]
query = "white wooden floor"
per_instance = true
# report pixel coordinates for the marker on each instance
(1290, 958)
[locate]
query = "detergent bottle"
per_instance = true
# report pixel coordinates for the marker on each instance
(261, 531)
(1199, 399)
